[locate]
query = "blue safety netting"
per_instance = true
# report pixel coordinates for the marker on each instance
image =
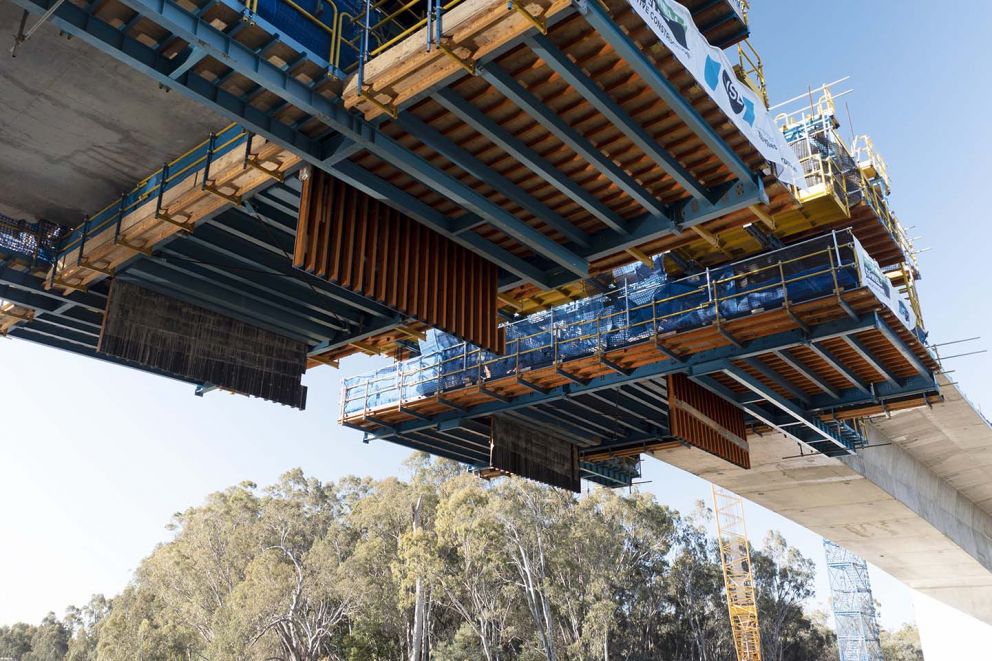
(34, 242)
(642, 303)
(305, 29)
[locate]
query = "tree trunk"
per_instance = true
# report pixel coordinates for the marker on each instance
(417, 646)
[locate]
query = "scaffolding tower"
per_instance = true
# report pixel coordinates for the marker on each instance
(738, 578)
(853, 605)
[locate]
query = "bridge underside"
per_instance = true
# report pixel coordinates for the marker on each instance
(913, 503)
(80, 127)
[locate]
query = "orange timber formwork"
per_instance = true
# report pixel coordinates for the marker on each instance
(360, 243)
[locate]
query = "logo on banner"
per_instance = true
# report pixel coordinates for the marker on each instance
(675, 22)
(740, 104)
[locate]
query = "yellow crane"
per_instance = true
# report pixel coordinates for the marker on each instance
(731, 535)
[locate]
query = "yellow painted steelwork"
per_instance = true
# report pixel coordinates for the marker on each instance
(738, 578)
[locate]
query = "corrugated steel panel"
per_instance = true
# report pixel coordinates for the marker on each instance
(360, 243)
(707, 421)
(518, 449)
(190, 342)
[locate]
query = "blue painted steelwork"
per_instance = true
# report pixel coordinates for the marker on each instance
(533, 106)
(594, 94)
(536, 163)
(353, 133)
(638, 61)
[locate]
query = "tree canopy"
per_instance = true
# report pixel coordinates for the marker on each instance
(440, 566)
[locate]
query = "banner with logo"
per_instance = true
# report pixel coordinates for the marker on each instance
(675, 28)
(870, 274)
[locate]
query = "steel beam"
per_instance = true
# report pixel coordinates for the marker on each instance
(784, 405)
(903, 350)
(611, 33)
(536, 163)
(466, 161)
(764, 370)
(837, 365)
(806, 372)
(591, 92)
(873, 362)
(534, 107)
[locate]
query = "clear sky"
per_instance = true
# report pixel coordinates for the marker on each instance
(95, 458)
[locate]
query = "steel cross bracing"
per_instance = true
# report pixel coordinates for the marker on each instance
(853, 605)
(347, 133)
(593, 409)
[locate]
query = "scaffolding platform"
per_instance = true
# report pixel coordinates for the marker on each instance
(215, 175)
(809, 330)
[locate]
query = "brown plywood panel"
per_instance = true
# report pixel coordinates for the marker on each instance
(360, 243)
(707, 421)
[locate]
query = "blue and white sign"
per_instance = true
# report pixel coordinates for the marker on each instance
(673, 25)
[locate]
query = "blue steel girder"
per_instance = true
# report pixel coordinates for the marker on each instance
(252, 65)
(534, 107)
(44, 305)
(209, 290)
(904, 351)
(838, 365)
(866, 355)
(276, 289)
(270, 299)
(536, 163)
(704, 362)
(779, 380)
(806, 372)
(89, 300)
(594, 94)
(610, 32)
(26, 333)
(734, 196)
(787, 407)
(466, 161)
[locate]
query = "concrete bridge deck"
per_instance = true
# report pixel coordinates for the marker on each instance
(916, 503)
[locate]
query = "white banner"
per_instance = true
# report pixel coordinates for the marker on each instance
(675, 28)
(871, 275)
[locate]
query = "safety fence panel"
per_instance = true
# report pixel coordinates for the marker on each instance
(642, 305)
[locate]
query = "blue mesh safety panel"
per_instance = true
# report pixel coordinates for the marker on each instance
(642, 303)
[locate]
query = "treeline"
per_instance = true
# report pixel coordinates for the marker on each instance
(443, 566)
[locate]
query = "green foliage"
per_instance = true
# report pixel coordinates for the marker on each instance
(441, 565)
(902, 644)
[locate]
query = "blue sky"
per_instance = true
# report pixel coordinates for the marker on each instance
(95, 458)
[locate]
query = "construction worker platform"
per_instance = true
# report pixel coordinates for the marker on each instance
(812, 331)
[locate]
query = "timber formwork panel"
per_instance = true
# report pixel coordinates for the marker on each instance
(707, 421)
(192, 343)
(360, 243)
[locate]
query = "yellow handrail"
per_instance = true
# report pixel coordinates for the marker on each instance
(710, 287)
